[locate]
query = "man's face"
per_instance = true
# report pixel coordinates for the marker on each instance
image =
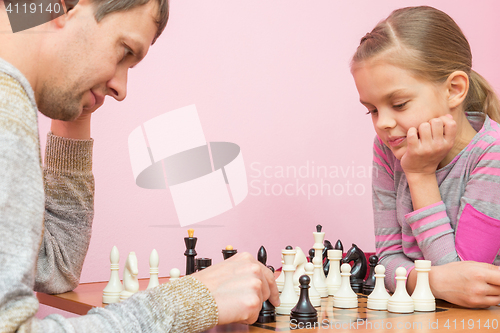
(89, 60)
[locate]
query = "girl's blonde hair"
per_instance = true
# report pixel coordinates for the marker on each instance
(430, 44)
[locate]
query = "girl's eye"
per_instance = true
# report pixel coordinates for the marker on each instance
(400, 106)
(372, 112)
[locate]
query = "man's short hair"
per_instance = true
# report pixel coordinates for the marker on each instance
(105, 7)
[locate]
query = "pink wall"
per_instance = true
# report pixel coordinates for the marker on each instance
(273, 77)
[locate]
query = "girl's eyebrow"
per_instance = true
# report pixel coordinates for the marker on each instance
(388, 96)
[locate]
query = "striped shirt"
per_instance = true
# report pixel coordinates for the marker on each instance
(465, 225)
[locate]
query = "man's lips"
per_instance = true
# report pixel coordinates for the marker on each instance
(99, 99)
(96, 100)
(396, 141)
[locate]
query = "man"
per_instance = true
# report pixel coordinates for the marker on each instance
(65, 68)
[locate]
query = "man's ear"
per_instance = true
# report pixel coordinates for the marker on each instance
(457, 85)
(72, 8)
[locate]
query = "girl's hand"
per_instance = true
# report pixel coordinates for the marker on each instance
(429, 145)
(466, 283)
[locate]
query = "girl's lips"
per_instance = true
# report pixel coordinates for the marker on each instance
(393, 142)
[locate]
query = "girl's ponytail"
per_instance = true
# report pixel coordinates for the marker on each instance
(482, 97)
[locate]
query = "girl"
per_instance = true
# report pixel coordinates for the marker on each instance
(436, 191)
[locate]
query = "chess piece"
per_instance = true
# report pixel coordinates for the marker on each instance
(202, 263)
(369, 283)
(299, 263)
(303, 312)
(333, 280)
(267, 313)
(400, 301)
(288, 297)
(280, 281)
(314, 296)
(345, 297)
(228, 252)
(311, 255)
(262, 255)
(339, 246)
(130, 281)
(319, 274)
(422, 296)
(318, 283)
(190, 252)
(326, 263)
(358, 270)
(377, 300)
(153, 269)
(111, 293)
(175, 274)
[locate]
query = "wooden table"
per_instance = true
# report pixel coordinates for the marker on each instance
(448, 318)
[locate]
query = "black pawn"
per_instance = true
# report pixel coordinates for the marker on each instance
(267, 313)
(311, 255)
(303, 312)
(369, 283)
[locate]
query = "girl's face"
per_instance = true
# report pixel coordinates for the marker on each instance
(397, 100)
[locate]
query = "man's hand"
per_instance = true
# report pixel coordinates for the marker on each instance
(429, 145)
(75, 129)
(239, 286)
(466, 283)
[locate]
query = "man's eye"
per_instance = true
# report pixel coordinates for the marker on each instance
(128, 52)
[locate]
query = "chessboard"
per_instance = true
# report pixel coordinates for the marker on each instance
(333, 318)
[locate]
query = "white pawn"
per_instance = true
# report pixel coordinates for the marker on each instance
(378, 298)
(423, 299)
(314, 296)
(111, 294)
(130, 281)
(299, 262)
(345, 297)
(175, 274)
(319, 274)
(153, 269)
(288, 297)
(333, 280)
(400, 301)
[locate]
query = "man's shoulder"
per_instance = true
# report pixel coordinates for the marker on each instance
(11, 89)
(17, 114)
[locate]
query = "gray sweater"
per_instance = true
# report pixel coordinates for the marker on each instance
(45, 226)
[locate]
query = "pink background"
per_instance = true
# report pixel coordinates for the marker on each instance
(272, 77)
